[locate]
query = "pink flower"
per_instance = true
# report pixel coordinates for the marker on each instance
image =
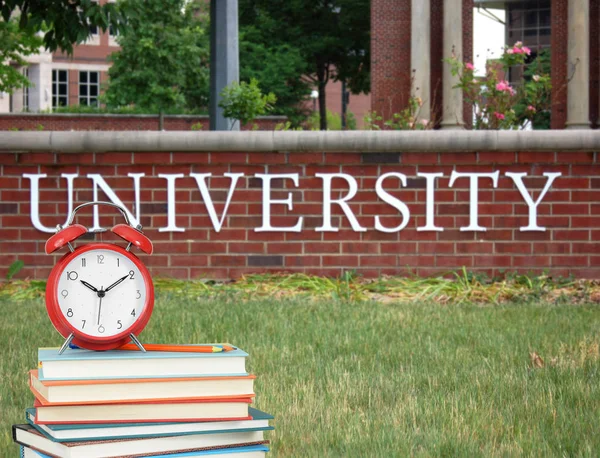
(519, 44)
(516, 50)
(531, 108)
(526, 50)
(469, 66)
(424, 122)
(499, 116)
(509, 51)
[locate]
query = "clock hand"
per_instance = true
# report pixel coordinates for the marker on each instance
(87, 285)
(100, 307)
(118, 282)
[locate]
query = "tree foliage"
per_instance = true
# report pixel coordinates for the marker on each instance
(163, 61)
(63, 22)
(316, 41)
(245, 101)
(16, 44)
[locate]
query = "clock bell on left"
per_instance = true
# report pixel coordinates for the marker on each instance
(99, 296)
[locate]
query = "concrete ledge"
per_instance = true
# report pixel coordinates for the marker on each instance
(121, 115)
(293, 141)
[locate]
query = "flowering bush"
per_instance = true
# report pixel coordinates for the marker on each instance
(407, 119)
(497, 104)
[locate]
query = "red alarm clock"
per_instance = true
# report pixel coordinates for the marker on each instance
(99, 296)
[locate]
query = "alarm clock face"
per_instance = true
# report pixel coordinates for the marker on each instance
(102, 292)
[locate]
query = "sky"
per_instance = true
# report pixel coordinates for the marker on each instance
(488, 37)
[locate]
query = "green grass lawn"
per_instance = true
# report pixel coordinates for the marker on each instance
(376, 379)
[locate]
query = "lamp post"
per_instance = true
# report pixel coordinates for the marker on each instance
(314, 95)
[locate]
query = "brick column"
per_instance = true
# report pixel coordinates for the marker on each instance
(558, 45)
(578, 88)
(420, 54)
(594, 61)
(390, 55)
(452, 115)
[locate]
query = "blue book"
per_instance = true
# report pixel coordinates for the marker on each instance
(78, 364)
(28, 436)
(250, 451)
(104, 431)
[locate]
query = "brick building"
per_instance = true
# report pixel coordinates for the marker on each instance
(411, 37)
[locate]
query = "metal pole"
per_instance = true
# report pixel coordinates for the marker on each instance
(224, 58)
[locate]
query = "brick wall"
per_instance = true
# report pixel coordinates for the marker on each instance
(570, 211)
(69, 121)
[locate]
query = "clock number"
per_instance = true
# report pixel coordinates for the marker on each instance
(82, 324)
(101, 329)
(100, 259)
(119, 323)
(64, 293)
(139, 295)
(132, 312)
(83, 262)
(131, 273)
(72, 275)
(118, 262)
(70, 313)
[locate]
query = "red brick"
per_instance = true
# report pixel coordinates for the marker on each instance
(245, 247)
(570, 209)
(493, 261)
(475, 247)
(572, 156)
(284, 248)
(458, 158)
(572, 234)
(454, 261)
(512, 247)
(341, 261)
(496, 157)
(569, 261)
(381, 260)
(356, 248)
(586, 248)
(531, 261)
(536, 156)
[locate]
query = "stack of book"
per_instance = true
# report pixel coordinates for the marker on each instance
(132, 404)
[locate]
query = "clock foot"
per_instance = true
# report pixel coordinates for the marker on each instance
(137, 342)
(66, 344)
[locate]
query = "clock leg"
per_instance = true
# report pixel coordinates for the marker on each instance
(66, 344)
(137, 342)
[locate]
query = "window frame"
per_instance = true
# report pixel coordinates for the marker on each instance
(56, 88)
(88, 97)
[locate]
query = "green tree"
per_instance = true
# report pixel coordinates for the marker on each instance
(245, 101)
(17, 43)
(163, 61)
(326, 41)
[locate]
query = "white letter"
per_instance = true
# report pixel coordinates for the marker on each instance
(136, 189)
(517, 178)
(100, 183)
(327, 177)
(201, 180)
(35, 199)
(474, 195)
(394, 202)
(430, 202)
(171, 211)
(267, 201)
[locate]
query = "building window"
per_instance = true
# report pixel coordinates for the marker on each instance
(89, 83)
(60, 88)
(25, 71)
